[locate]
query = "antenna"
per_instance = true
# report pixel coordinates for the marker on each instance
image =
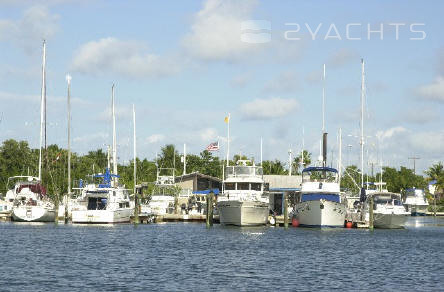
(289, 162)
(261, 151)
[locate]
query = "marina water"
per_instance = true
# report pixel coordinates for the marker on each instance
(188, 256)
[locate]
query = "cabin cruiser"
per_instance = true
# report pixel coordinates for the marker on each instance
(321, 203)
(106, 202)
(243, 201)
(162, 199)
(416, 202)
(30, 201)
(388, 211)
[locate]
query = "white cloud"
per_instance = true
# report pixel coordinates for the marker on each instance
(155, 138)
(433, 91)
(429, 142)
(122, 112)
(343, 57)
(208, 134)
(91, 138)
(284, 83)
(419, 115)
(36, 24)
(389, 133)
(240, 81)
(216, 31)
(263, 109)
(129, 58)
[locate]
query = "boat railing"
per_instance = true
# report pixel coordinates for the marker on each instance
(242, 171)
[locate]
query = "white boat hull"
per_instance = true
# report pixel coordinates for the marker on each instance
(243, 213)
(389, 221)
(417, 210)
(320, 214)
(102, 216)
(33, 214)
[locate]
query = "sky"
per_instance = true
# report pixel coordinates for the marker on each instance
(186, 64)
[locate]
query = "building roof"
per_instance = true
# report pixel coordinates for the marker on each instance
(198, 174)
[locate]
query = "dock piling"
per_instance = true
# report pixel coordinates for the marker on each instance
(285, 210)
(370, 213)
(209, 217)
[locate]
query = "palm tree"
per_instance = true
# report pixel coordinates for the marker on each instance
(297, 162)
(436, 172)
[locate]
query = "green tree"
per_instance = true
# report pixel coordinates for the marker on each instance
(297, 162)
(274, 167)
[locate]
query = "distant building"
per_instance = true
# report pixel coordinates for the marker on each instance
(280, 184)
(197, 181)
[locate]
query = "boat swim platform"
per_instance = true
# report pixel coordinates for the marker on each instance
(174, 218)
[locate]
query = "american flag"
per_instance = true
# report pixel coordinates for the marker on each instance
(213, 146)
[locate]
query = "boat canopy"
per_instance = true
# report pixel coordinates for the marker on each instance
(107, 176)
(35, 188)
(318, 168)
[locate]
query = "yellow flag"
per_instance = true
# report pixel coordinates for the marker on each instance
(227, 119)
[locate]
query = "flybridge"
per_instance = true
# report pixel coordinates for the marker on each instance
(107, 177)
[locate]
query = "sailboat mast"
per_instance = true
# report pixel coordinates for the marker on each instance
(114, 132)
(42, 108)
(68, 79)
(362, 120)
(323, 100)
(261, 152)
(184, 159)
(340, 156)
(228, 139)
(134, 149)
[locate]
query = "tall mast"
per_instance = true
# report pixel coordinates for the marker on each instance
(114, 133)
(303, 145)
(323, 100)
(361, 142)
(42, 108)
(340, 156)
(228, 139)
(261, 151)
(289, 162)
(68, 79)
(184, 159)
(134, 149)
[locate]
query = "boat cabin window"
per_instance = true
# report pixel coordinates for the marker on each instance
(230, 186)
(243, 186)
(97, 203)
(256, 186)
(124, 205)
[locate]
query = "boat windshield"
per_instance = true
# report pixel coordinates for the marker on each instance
(387, 201)
(319, 176)
(243, 171)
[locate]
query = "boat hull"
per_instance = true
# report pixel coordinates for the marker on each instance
(389, 221)
(320, 213)
(33, 214)
(101, 216)
(418, 210)
(243, 213)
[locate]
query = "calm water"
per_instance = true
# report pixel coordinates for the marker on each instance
(187, 256)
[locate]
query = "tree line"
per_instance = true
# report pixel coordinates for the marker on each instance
(17, 158)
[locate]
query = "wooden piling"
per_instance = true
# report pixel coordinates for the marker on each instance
(209, 217)
(285, 210)
(370, 213)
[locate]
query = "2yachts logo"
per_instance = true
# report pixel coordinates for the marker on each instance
(259, 31)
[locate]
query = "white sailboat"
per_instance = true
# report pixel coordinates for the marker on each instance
(30, 201)
(416, 202)
(106, 202)
(243, 201)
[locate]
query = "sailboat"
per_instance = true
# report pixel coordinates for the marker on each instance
(30, 200)
(320, 203)
(107, 201)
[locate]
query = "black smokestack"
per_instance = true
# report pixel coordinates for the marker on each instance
(324, 149)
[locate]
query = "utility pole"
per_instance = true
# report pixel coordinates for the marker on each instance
(414, 163)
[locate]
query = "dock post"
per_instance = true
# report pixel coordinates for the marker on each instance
(136, 206)
(210, 209)
(370, 213)
(285, 210)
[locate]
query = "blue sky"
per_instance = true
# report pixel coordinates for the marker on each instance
(185, 67)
